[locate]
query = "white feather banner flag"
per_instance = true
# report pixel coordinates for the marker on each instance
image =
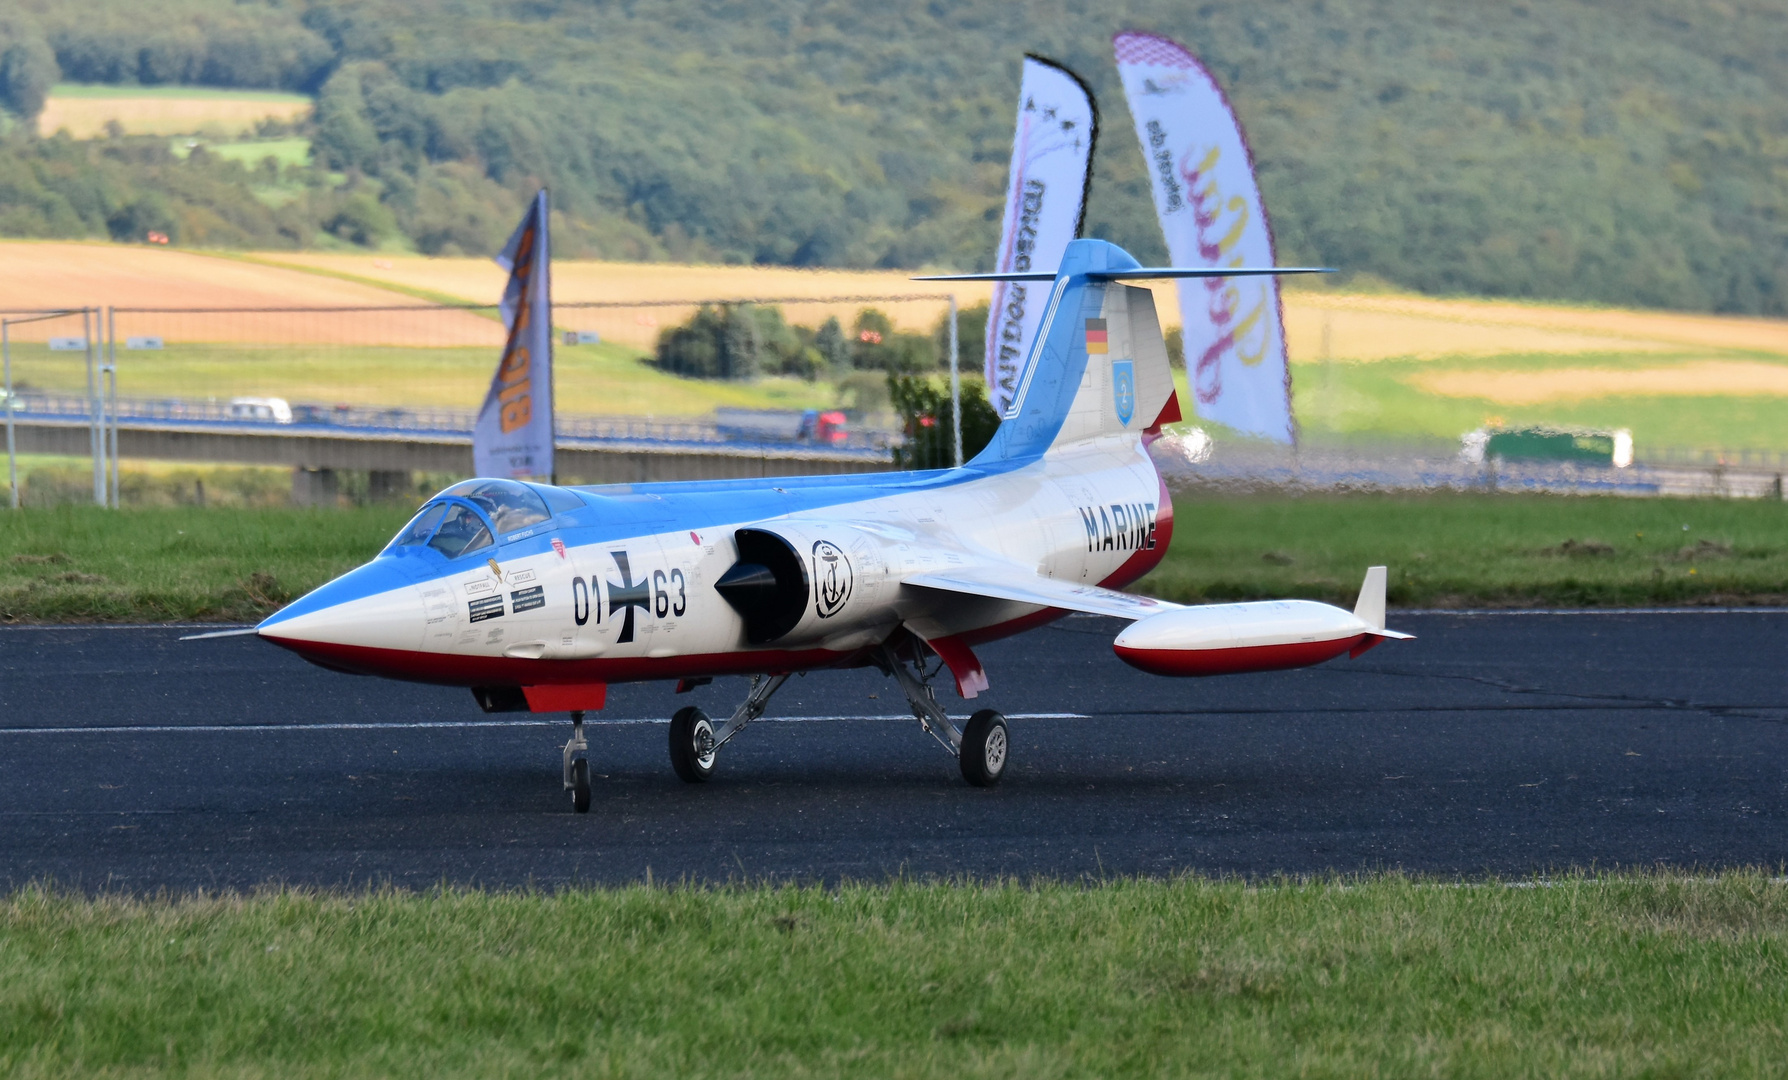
(1209, 203)
(1052, 153)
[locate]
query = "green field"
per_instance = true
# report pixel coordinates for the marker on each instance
(91, 91)
(589, 379)
(288, 152)
(76, 563)
(1649, 975)
(1377, 400)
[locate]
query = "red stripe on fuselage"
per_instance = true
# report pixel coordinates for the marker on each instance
(453, 669)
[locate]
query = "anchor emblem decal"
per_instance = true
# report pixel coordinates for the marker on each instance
(832, 579)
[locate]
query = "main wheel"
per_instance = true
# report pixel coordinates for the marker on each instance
(692, 745)
(985, 747)
(580, 786)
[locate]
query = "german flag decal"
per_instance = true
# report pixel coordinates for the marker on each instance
(1095, 337)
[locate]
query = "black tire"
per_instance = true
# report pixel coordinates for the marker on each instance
(986, 749)
(689, 731)
(580, 786)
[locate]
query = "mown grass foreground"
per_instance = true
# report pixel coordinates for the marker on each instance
(1608, 976)
(78, 563)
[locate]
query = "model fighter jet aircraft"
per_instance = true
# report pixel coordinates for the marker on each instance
(537, 597)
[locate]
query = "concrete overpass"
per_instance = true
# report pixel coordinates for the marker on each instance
(316, 454)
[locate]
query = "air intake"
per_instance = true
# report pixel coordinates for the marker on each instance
(768, 585)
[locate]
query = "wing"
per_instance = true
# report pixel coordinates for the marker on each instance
(1024, 587)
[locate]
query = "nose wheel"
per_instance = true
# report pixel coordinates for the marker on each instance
(577, 766)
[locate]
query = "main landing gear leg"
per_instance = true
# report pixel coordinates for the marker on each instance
(980, 749)
(695, 741)
(577, 766)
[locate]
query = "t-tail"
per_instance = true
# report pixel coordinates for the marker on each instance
(1098, 367)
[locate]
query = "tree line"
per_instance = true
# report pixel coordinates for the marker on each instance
(1615, 151)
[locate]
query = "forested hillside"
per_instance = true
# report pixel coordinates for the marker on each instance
(1623, 151)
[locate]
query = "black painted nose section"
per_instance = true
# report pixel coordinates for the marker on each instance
(767, 586)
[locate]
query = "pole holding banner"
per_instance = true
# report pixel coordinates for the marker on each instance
(514, 434)
(955, 385)
(1052, 153)
(95, 412)
(12, 453)
(111, 429)
(1208, 201)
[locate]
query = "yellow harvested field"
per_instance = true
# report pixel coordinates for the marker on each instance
(1358, 327)
(1372, 327)
(1702, 378)
(55, 275)
(86, 117)
(590, 281)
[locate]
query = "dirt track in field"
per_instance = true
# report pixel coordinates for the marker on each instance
(589, 281)
(54, 275)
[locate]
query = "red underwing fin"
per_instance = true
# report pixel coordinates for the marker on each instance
(964, 665)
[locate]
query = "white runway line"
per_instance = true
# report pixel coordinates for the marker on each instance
(165, 729)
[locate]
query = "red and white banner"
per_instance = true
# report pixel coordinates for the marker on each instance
(1209, 203)
(1052, 153)
(514, 434)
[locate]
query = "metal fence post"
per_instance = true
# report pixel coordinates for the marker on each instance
(12, 456)
(95, 421)
(955, 383)
(112, 401)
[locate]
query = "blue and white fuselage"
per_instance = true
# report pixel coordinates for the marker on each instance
(538, 597)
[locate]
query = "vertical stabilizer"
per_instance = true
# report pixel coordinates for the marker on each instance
(1370, 608)
(1098, 365)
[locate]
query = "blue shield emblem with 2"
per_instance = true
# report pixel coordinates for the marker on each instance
(1123, 390)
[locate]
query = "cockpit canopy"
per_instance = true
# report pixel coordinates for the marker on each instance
(467, 516)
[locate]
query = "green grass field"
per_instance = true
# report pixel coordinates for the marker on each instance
(182, 562)
(1658, 976)
(1377, 400)
(589, 379)
(98, 91)
(250, 152)
(1467, 550)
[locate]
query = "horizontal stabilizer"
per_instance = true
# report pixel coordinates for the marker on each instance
(1024, 587)
(1141, 273)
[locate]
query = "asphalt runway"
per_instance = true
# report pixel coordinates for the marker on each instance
(1504, 744)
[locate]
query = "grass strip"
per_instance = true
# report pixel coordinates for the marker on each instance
(152, 564)
(1467, 550)
(82, 563)
(1590, 976)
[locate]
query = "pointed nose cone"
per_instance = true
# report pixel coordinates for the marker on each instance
(374, 607)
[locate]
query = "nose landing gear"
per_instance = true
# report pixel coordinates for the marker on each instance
(577, 766)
